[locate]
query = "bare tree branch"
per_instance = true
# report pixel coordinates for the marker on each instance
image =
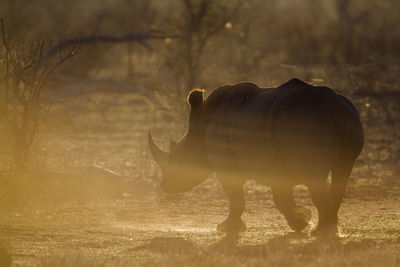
(141, 38)
(7, 65)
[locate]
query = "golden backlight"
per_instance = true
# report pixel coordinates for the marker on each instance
(83, 83)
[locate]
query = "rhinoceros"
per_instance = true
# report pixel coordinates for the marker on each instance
(295, 133)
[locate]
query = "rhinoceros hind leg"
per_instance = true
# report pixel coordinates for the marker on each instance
(340, 176)
(297, 217)
(327, 214)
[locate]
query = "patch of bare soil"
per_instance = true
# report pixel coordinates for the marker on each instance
(134, 224)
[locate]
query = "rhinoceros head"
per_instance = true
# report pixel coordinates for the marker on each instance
(186, 165)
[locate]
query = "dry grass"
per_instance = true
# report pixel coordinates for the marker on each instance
(277, 252)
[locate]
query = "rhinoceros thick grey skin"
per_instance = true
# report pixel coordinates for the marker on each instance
(292, 134)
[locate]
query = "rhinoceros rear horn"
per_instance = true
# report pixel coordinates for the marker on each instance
(195, 98)
(158, 154)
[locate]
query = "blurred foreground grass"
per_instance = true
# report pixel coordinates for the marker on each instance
(277, 252)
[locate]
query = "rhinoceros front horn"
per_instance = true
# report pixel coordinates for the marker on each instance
(158, 154)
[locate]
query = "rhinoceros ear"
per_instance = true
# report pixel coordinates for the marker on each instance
(195, 98)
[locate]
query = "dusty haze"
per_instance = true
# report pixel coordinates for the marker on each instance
(82, 82)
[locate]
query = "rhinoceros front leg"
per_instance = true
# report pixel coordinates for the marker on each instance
(297, 217)
(234, 189)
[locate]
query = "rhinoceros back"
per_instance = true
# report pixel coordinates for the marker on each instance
(286, 130)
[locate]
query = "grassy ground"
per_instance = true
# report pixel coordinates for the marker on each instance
(79, 216)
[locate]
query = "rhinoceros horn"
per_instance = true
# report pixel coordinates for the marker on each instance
(158, 154)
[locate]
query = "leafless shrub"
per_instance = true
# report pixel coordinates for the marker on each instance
(23, 84)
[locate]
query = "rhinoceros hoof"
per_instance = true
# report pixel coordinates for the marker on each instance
(328, 231)
(231, 226)
(300, 219)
